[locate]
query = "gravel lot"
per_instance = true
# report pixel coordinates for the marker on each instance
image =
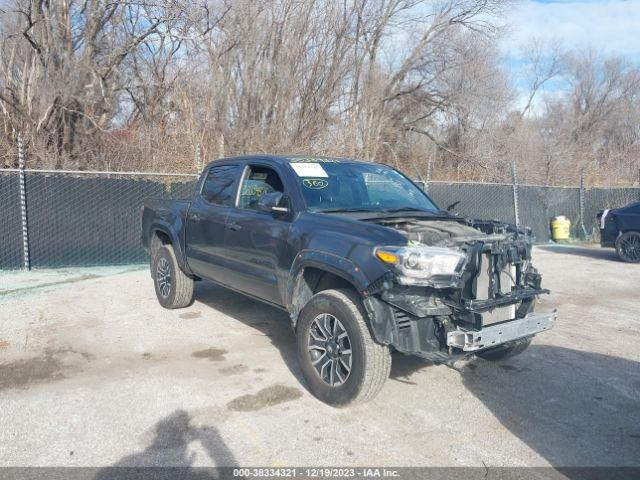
(93, 372)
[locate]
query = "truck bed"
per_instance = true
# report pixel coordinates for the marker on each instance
(164, 212)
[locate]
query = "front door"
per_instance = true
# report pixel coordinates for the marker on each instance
(206, 222)
(256, 241)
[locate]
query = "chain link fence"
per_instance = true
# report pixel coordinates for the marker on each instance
(11, 254)
(539, 204)
(536, 205)
(79, 218)
(475, 200)
(75, 218)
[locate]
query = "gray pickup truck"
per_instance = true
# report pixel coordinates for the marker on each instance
(361, 258)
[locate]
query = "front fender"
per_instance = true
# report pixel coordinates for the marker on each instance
(297, 297)
(340, 266)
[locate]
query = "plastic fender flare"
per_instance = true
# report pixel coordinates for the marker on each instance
(159, 226)
(329, 262)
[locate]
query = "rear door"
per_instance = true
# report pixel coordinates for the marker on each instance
(256, 242)
(206, 220)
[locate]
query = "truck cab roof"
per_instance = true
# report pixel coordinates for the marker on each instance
(283, 159)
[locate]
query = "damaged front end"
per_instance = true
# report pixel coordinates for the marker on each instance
(457, 288)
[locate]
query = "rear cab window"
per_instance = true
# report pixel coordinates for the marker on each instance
(219, 186)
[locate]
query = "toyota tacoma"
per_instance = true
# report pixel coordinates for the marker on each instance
(359, 256)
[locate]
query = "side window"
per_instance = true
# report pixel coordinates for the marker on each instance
(258, 182)
(218, 186)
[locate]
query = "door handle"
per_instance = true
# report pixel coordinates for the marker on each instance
(234, 226)
(195, 217)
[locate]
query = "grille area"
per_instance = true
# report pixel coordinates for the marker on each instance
(482, 282)
(482, 289)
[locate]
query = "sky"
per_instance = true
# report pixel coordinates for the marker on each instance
(609, 26)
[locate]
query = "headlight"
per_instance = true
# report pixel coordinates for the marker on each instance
(430, 266)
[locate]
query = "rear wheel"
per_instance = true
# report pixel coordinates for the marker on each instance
(503, 352)
(338, 356)
(173, 288)
(628, 247)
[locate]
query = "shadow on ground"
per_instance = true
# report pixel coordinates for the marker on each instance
(269, 321)
(573, 408)
(595, 252)
(276, 325)
(169, 448)
(404, 366)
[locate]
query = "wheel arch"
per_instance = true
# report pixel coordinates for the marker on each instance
(314, 272)
(159, 237)
(162, 234)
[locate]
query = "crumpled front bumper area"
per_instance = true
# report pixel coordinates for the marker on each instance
(492, 336)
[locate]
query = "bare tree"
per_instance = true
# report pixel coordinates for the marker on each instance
(138, 84)
(544, 62)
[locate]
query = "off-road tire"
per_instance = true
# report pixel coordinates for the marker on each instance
(623, 245)
(180, 291)
(370, 362)
(503, 352)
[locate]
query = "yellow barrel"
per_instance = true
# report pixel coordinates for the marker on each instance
(560, 228)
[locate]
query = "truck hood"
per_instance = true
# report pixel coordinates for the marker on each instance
(445, 232)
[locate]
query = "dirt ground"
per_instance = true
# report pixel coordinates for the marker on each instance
(93, 372)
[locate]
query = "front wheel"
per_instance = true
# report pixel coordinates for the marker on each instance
(173, 288)
(628, 247)
(338, 356)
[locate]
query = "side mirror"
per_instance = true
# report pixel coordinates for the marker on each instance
(274, 202)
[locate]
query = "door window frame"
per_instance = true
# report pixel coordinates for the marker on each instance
(245, 172)
(235, 186)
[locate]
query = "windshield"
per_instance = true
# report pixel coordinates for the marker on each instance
(336, 186)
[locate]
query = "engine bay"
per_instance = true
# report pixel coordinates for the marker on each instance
(498, 284)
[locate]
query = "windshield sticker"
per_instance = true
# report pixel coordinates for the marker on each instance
(315, 183)
(308, 169)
